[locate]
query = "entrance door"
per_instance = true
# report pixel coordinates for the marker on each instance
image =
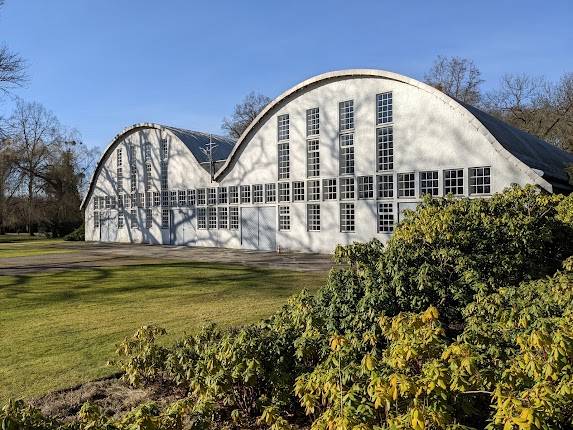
(258, 228)
(108, 226)
(183, 227)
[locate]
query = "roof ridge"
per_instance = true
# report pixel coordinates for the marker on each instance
(203, 133)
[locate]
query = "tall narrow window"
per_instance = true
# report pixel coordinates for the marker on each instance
(134, 221)
(148, 199)
(182, 197)
(211, 196)
(147, 151)
(454, 181)
(312, 158)
(222, 195)
(313, 190)
(148, 218)
(211, 218)
(480, 180)
(164, 218)
(164, 184)
(298, 191)
(406, 185)
(284, 191)
(165, 199)
(346, 188)
(120, 219)
(385, 189)
(191, 198)
(133, 179)
(201, 197)
(173, 199)
(222, 217)
(347, 217)
(429, 183)
(313, 217)
(201, 218)
(283, 127)
(284, 218)
(312, 122)
(270, 193)
(329, 189)
(384, 108)
(385, 148)
(147, 177)
(245, 194)
(258, 193)
(346, 154)
(346, 115)
(156, 199)
(234, 195)
(233, 218)
(283, 160)
(119, 166)
(164, 149)
(96, 219)
(385, 217)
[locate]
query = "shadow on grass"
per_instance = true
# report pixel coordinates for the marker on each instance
(99, 283)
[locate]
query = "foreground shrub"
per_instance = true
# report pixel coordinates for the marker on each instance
(453, 324)
(78, 235)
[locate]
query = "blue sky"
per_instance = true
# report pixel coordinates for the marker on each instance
(103, 65)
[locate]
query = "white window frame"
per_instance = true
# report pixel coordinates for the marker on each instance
(284, 218)
(406, 185)
(479, 179)
(313, 217)
(347, 215)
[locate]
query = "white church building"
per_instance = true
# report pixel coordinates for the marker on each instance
(333, 160)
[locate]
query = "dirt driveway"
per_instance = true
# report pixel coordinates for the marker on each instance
(75, 255)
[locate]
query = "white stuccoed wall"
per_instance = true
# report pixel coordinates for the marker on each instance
(430, 133)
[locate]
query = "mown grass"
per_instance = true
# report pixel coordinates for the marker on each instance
(27, 247)
(59, 329)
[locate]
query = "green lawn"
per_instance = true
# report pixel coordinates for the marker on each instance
(59, 329)
(30, 247)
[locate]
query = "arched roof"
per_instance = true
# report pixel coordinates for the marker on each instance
(195, 141)
(524, 150)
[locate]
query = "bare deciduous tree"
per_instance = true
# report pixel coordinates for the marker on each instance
(34, 132)
(457, 77)
(244, 113)
(12, 70)
(537, 106)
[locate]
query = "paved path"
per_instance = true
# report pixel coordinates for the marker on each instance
(85, 255)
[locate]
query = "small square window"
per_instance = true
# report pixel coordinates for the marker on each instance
(365, 187)
(385, 186)
(454, 181)
(429, 183)
(480, 180)
(406, 185)
(298, 191)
